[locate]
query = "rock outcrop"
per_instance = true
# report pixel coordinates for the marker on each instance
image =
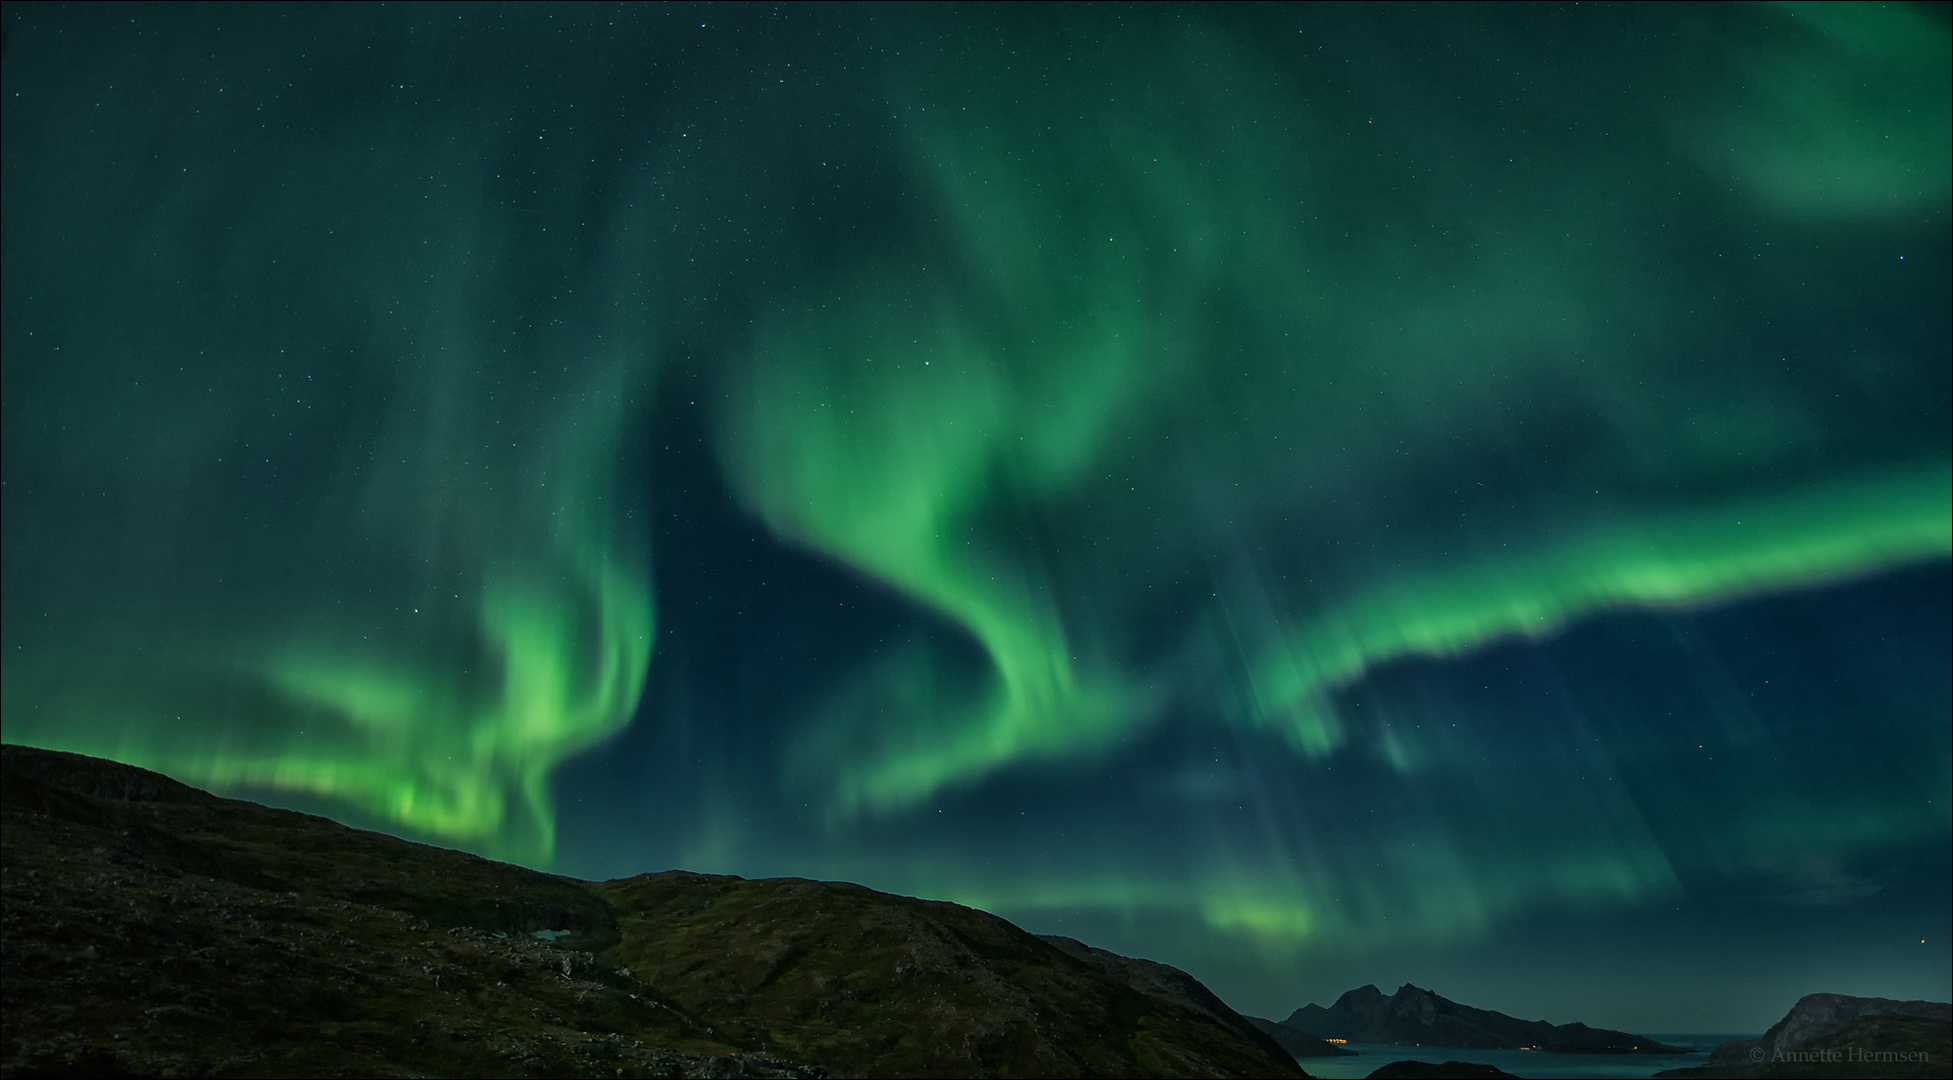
(1835, 1035)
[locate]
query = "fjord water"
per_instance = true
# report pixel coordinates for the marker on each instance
(1526, 1063)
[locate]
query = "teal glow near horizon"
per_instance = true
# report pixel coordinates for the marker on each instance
(1270, 489)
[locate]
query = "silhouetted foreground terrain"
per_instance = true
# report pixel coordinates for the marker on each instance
(151, 928)
(1835, 1035)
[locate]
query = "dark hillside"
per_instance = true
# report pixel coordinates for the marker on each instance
(154, 929)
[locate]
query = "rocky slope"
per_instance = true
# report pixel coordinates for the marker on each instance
(1414, 1016)
(154, 929)
(839, 974)
(1834, 1035)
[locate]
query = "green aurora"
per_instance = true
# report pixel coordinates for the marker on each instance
(1142, 416)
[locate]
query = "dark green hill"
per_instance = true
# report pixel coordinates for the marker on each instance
(154, 929)
(832, 972)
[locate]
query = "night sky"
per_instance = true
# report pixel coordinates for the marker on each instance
(1316, 496)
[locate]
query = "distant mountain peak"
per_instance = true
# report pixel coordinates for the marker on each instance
(1416, 1016)
(1366, 992)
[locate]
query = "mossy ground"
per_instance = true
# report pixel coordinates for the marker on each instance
(153, 929)
(185, 935)
(879, 985)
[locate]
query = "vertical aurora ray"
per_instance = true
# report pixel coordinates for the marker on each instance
(1317, 434)
(471, 615)
(470, 762)
(1120, 292)
(387, 558)
(913, 421)
(889, 467)
(1784, 543)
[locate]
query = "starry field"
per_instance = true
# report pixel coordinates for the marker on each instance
(1313, 495)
